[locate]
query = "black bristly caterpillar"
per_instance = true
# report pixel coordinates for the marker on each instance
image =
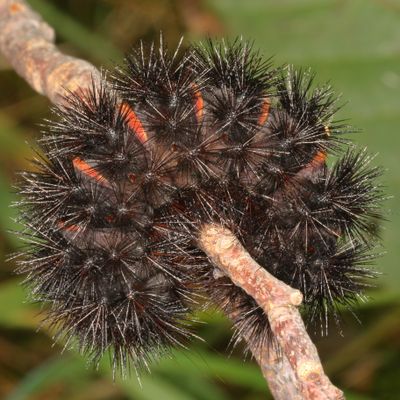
(130, 170)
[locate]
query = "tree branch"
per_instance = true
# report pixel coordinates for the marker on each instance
(27, 42)
(279, 301)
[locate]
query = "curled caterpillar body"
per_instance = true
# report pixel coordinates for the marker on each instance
(130, 171)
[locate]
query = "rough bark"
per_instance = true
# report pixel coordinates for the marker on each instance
(279, 301)
(27, 42)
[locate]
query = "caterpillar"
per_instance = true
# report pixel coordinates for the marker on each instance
(129, 171)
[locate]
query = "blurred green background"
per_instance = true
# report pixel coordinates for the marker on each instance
(354, 44)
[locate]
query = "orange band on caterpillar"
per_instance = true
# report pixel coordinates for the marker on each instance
(264, 112)
(318, 159)
(68, 228)
(134, 123)
(83, 167)
(199, 104)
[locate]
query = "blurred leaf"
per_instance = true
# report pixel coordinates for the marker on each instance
(14, 311)
(200, 388)
(303, 30)
(355, 396)
(364, 342)
(197, 367)
(151, 387)
(64, 369)
(90, 43)
(12, 140)
(222, 368)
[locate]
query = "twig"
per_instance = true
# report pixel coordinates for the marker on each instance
(279, 301)
(282, 382)
(27, 42)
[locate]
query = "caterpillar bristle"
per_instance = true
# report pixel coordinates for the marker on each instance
(234, 64)
(131, 170)
(238, 83)
(339, 279)
(354, 194)
(163, 91)
(248, 319)
(302, 101)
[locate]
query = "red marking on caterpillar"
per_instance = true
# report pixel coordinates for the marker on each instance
(134, 123)
(132, 178)
(83, 167)
(317, 162)
(68, 228)
(319, 159)
(311, 250)
(199, 104)
(109, 218)
(264, 112)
